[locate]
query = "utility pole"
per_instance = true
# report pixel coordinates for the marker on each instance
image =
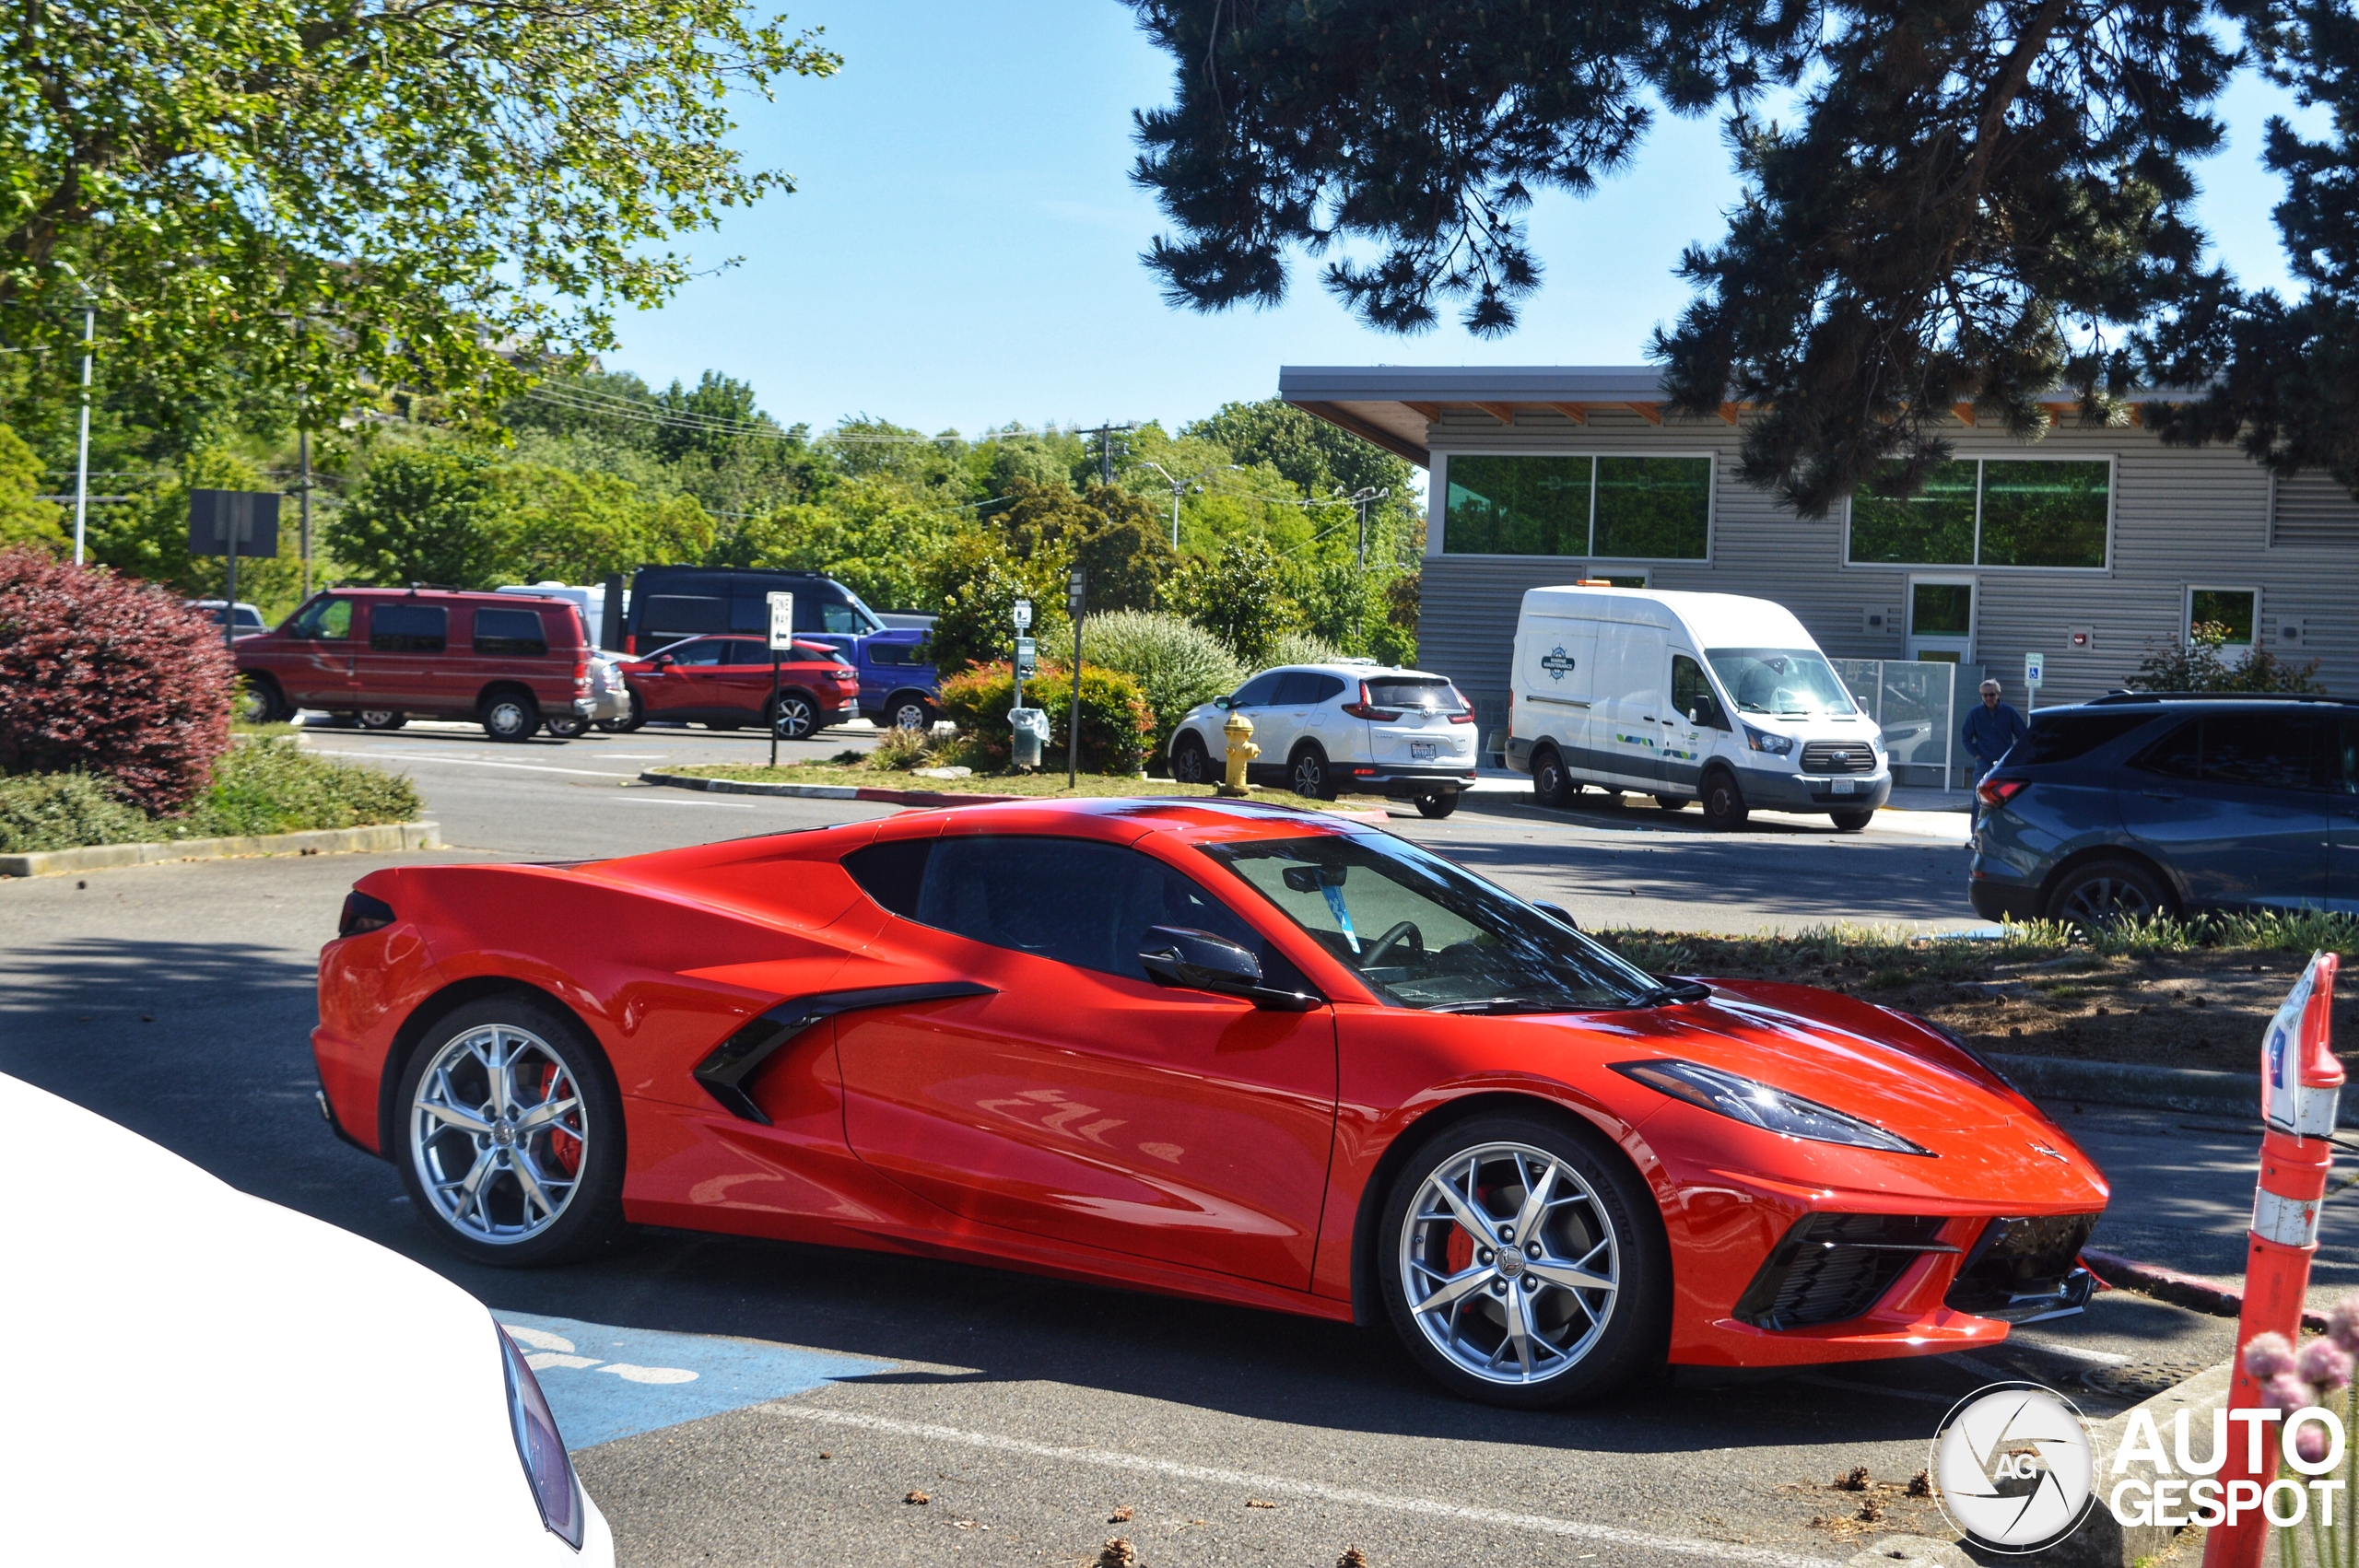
(1076, 598)
(1106, 433)
(303, 445)
(1361, 499)
(1192, 486)
(82, 452)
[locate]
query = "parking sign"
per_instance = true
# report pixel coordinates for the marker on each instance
(2034, 669)
(782, 621)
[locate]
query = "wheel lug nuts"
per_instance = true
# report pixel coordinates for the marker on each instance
(1532, 1251)
(1506, 1233)
(1498, 1287)
(1486, 1256)
(1531, 1284)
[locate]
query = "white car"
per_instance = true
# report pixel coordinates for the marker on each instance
(206, 1378)
(1325, 729)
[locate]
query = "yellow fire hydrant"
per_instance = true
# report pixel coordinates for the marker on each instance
(1241, 749)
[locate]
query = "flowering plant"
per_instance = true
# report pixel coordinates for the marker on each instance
(2315, 1376)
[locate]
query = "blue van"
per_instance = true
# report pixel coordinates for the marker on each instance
(667, 603)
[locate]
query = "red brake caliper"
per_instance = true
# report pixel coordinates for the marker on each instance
(1458, 1252)
(564, 1148)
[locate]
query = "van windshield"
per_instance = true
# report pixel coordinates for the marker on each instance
(1795, 681)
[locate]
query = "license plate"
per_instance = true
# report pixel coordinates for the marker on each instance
(1421, 751)
(1847, 786)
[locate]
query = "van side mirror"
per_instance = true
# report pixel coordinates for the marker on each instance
(1702, 712)
(1199, 961)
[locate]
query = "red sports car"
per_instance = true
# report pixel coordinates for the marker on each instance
(1231, 1051)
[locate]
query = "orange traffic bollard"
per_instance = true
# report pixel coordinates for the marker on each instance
(2300, 1081)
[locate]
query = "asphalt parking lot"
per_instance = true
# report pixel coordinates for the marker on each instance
(755, 1402)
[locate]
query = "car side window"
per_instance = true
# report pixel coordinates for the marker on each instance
(744, 652)
(2178, 755)
(323, 620)
(2267, 751)
(396, 627)
(1298, 688)
(510, 631)
(2345, 773)
(1073, 900)
(703, 652)
(1259, 692)
(1330, 689)
(1689, 687)
(839, 618)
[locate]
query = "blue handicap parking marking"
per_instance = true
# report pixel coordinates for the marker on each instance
(605, 1383)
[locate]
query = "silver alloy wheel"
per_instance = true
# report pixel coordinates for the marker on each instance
(499, 1134)
(2104, 899)
(910, 716)
(793, 718)
(1537, 1268)
(1310, 776)
(1190, 763)
(510, 717)
(380, 719)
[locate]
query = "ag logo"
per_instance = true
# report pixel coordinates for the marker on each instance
(2013, 1467)
(1556, 662)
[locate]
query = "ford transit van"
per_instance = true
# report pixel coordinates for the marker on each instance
(1687, 697)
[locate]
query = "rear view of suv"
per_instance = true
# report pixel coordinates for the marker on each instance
(2137, 805)
(384, 655)
(1323, 729)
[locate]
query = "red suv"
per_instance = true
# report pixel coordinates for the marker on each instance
(383, 655)
(725, 681)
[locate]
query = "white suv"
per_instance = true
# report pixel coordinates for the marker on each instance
(1353, 725)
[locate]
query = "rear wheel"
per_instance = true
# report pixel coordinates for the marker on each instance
(629, 721)
(260, 702)
(910, 713)
(564, 728)
(511, 715)
(1724, 807)
(2102, 892)
(1311, 777)
(1522, 1263)
(512, 1140)
(1550, 786)
(1853, 820)
(383, 719)
(1437, 803)
(1190, 763)
(794, 716)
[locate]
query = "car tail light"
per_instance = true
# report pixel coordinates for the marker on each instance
(546, 1465)
(1465, 714)
(362, 913)
(1999, 791)
(582, 674)
(1364, 709)
(1363, 772)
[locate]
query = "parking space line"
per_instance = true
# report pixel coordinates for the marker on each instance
(472, 761)
(1353, 1496)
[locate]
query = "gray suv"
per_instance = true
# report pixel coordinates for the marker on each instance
(2143, 804)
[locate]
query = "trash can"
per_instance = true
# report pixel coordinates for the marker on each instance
(1029, 727)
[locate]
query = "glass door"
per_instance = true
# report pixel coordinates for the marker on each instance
(1941, 619)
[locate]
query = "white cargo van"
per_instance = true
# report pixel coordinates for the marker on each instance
(1687, 697)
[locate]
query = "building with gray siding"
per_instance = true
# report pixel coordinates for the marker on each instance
(2092, 546)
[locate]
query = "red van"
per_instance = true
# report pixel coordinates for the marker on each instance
(725, 681)
(385, 655)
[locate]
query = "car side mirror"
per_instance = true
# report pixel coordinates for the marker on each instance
(1199, 961)
(1559, 913)
(665, 661)
(1220, 702)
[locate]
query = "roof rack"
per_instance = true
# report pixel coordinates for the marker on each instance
(2118, 698)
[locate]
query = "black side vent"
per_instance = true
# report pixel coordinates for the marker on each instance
(2020, 1263)
(1838, 756)
(1833, 1268)
(727, 1072)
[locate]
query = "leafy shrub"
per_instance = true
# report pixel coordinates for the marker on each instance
(111, 676)
(2197, 665)
(1176, 662)
(1302, 648)
(899, 749)
(65, 811)
(1115, 722)
(1240, 596)
(277, 787)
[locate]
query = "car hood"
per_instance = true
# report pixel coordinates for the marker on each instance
(214, 1376)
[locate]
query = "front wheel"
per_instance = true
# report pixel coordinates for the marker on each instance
(912, 713)
(1551, 785)
(511, 1142)
(1437, 803)
(795, 716)
(1190, 763)
(1853, 820)
(1522, 1263)
(1311, 780)
(1724, 807)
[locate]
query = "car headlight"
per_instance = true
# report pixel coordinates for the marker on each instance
(1765, 740)
(1876, 743)
(546, 1465)
(1773, 1110)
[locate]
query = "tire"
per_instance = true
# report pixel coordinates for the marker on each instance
(261, 702)
(2101, 892)
(908, 713)
(1439, 803)
(1724, 807)
(632, 723)
(383, 719)
(1582, 1341)
(794, 717)
(1673, 802)
(511, 715)
(1551, 785)
(574, 1160)
(1853, 821)
(567, 728)
(1309, 773)
(1190, 763)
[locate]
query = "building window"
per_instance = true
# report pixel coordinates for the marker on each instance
(2235, 609)
(1989, 512)
(1619, 507)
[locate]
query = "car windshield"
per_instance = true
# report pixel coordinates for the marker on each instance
(1781, 680)
(1422, 933)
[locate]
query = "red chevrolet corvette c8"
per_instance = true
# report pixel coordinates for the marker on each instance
(1223, 1050)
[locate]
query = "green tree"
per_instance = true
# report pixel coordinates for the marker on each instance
(24, 518)
(423, 514)
(1240, 596)
(578, 528)
(976, 580)
(872, 533)
(310, 200)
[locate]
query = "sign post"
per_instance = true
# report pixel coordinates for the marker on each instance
(1076, 595)
(2034, 671)
(232, 523)
(782, 639)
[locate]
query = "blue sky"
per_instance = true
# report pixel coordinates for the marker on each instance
(962, 250)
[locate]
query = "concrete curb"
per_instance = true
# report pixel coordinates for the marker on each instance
(380, 838)
(2191, 1291)
(893, 797)
(2153, 1088)
(2105, 1541)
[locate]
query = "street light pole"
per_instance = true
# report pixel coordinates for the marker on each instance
(82, 450)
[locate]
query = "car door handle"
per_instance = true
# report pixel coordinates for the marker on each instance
(2161, 795)
(1650, 719)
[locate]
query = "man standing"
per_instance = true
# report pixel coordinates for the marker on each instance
(1990, 731)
